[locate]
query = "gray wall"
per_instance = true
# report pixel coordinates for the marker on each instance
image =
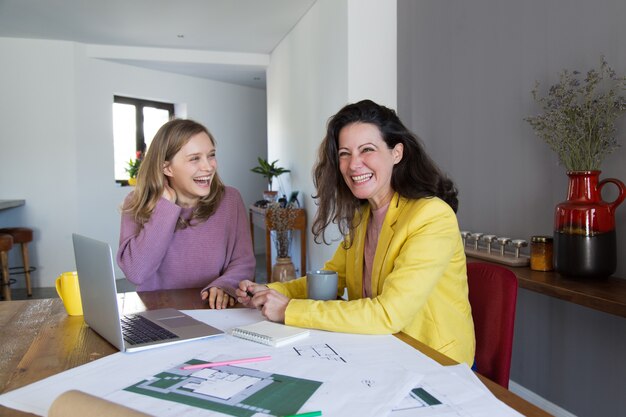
(465, 72)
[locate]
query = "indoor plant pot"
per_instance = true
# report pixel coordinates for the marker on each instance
(270, 196)
(584, 227)
(283, 270)
(269, 171)
(281, 222)
(578, 123)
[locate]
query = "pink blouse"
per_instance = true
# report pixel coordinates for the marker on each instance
(377, 217)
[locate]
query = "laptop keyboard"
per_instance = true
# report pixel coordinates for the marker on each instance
(138, 329)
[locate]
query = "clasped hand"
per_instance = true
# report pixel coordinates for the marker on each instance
(271, 303)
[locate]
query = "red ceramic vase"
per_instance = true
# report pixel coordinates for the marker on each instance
(584, 227)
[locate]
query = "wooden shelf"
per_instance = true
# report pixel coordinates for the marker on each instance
(606, 295)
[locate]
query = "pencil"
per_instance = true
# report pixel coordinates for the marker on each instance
(309, 414)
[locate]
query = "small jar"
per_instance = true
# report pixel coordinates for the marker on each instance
(541, 253)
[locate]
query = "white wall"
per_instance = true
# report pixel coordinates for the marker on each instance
(329, 59)
(57, 146)
(372, 51)
(306, 84)
(465, 74)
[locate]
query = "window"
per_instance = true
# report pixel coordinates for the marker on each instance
(135, 122)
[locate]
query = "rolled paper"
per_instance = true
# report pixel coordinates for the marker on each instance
(76, 403)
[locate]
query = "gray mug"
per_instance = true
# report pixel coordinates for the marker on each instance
(321, 285)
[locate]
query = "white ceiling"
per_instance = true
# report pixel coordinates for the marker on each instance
(249, 27)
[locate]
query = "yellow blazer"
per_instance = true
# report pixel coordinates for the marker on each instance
(419, 282)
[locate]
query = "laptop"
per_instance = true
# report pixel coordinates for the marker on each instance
(144, 330)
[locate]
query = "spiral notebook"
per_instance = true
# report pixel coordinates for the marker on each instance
(270, 333)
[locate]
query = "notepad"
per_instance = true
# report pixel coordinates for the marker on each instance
(269, 333)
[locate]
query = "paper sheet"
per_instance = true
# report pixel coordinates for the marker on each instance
(452, 391)
(361, 375)
(371, 392)
(381, 384)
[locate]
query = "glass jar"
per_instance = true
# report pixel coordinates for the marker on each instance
(541, 253)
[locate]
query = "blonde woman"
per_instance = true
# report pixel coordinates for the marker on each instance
(181, 226)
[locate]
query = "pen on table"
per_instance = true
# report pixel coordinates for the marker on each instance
(309, 414)
(229, 362)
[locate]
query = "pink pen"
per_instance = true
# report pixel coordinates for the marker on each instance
(229, 362)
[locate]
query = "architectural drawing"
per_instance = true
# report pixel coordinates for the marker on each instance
(322, 351)
(229, 389)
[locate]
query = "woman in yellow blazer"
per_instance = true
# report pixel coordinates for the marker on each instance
(402, 259)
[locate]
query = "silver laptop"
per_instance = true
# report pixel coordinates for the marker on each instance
(98, 292)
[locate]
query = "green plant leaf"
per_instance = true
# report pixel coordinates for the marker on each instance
(268, 170)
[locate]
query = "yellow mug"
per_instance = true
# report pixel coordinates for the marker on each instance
(69, 292)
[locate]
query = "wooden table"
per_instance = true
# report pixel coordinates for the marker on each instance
(39, 340)
(259, 219)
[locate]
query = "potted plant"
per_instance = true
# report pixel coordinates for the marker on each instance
(269, 171)
(281, 223)
(133, 168)
(578, 123)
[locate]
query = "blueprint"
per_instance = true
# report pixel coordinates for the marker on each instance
(229, 389)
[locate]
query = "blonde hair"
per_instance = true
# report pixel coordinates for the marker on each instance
(167, 142)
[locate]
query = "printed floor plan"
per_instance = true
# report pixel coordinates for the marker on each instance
(229, 389)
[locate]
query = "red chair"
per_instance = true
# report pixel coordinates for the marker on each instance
(492, 295)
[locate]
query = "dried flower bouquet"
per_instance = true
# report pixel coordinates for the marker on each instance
(579, 115)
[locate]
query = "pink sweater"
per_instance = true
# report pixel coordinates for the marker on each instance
(215, 253)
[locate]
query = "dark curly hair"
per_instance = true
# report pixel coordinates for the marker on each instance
(415, 176)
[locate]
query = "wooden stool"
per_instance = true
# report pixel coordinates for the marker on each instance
(6, 243)
(22, 235)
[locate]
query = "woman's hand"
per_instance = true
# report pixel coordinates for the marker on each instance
(246, 291)
(272, 304)
(218, 299)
